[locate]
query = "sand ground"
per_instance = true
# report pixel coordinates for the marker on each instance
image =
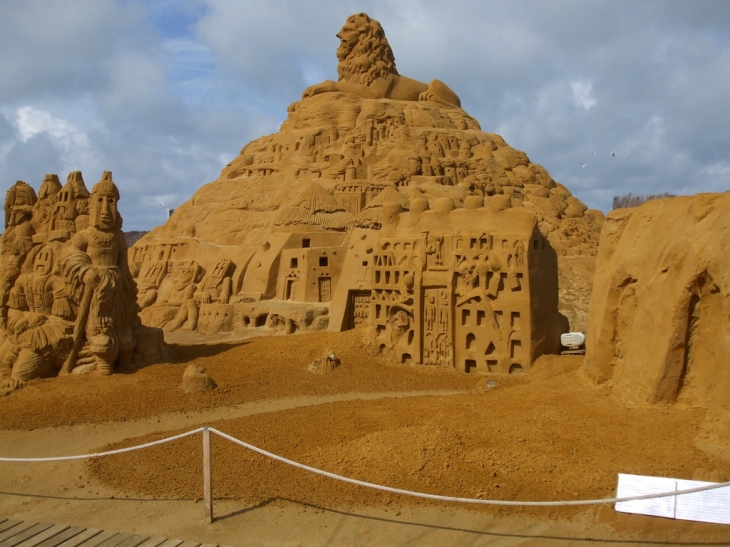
(545, 435)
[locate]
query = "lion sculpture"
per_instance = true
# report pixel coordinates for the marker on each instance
(367, 69)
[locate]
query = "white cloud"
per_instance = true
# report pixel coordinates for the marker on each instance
(582, 90)
(72, 142)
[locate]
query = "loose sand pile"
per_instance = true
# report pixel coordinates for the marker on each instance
(547, 435)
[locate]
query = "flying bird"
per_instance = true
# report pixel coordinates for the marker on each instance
(583, 165)
(613, 154)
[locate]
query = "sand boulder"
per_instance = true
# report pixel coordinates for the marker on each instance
(195, 378)
(658, 325)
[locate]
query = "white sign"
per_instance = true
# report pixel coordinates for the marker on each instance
(706, 506)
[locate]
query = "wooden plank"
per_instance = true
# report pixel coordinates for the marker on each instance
(114, 540)
(207, 476)
(43, 536)
(26, 534)
(133, 541)
(171, 543)
(189, 544)
(92, 541)
(81, 538)
(152, 542)
(9, 523)
(209, 545)
(60, 538)
(15, 530)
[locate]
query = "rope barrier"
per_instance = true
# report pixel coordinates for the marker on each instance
(456, 499)
(370, 484)
(108, 453)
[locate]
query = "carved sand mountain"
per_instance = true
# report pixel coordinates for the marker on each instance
(298, 213)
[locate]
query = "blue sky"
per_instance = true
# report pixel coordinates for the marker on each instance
(165, 93)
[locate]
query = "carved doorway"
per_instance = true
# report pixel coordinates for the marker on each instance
(291, 288)
(358, 309)
(325, 289)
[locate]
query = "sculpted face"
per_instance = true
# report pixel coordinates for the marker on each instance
(103, 212)
(43, 262)
(18, 215)
(187, 273)
(349, 36)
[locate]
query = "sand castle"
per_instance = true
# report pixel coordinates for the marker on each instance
(68, 299)
(380, 202)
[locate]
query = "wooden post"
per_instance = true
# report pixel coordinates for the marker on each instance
(207, 476)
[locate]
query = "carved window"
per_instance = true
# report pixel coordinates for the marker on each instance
(323, 261)
(294, 263)
(306, 242)
(465, 317)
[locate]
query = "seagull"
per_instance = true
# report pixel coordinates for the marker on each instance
(593, 153)
(583, 165)
(613, 154)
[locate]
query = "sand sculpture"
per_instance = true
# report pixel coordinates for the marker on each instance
(658, 329)
(68, 298)
(380, 202)
(362, 40)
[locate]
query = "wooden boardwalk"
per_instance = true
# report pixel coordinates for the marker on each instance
(18, 533)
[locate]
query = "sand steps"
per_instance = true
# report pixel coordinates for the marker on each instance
(18, 533)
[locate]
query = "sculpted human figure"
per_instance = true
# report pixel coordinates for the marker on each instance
(150, 283)
(16, 241)
(217, 286)
(367, 68)
(38, 332)
(182, 295)
(97, 268)
(43, 209)
(430, 313)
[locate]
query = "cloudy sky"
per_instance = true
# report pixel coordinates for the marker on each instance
(164, 93)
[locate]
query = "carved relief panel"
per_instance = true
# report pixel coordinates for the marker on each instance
(392, 306)
(491, 305)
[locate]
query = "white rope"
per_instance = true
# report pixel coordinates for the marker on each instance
(370, 484)
(455, 499)
(108, 453)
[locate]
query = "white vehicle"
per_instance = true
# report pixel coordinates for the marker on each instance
(572, 340)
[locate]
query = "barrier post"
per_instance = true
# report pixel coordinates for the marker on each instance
(207, 476)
